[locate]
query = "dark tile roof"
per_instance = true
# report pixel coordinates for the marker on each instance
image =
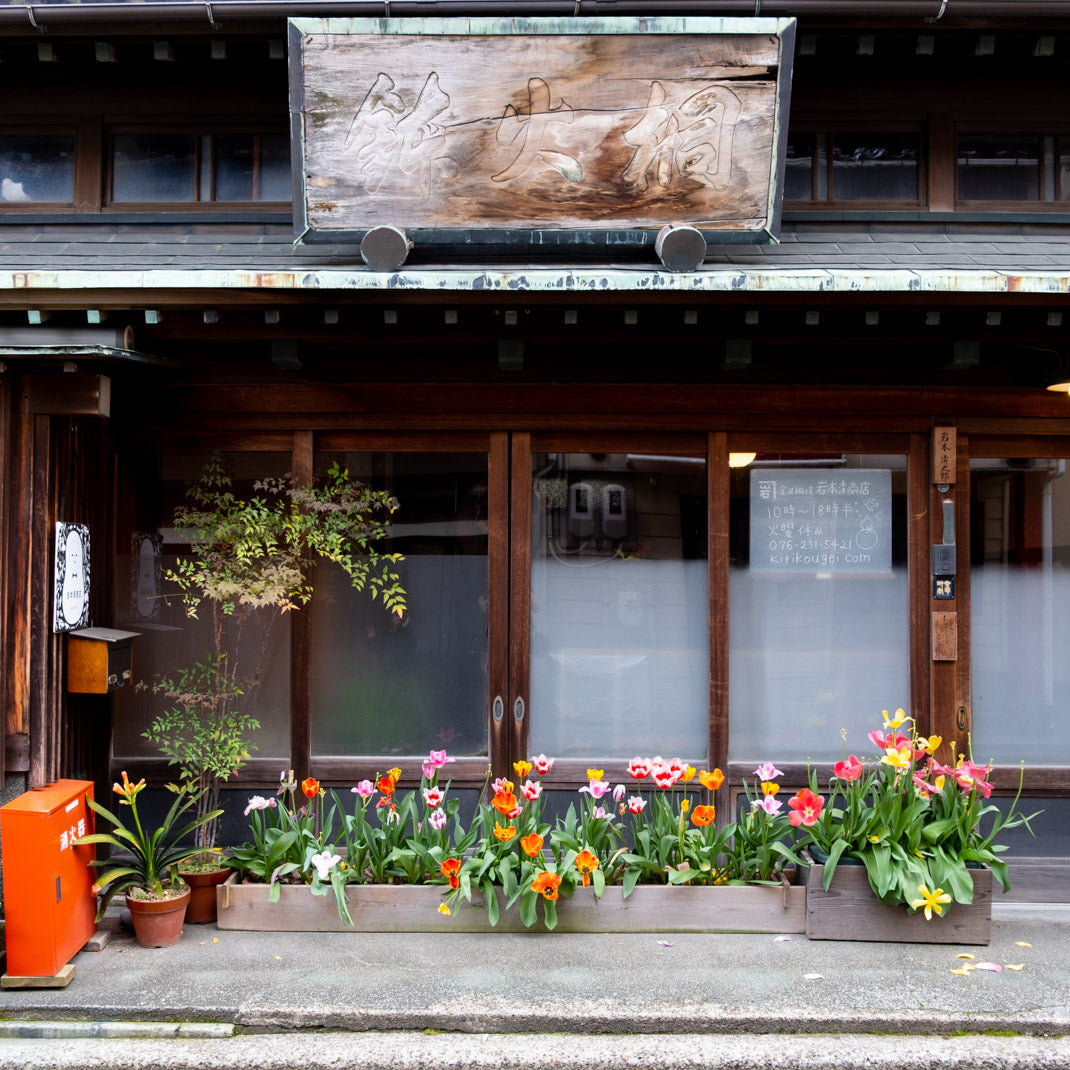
(809, 256)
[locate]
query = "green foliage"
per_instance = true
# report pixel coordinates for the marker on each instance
(156, 853)
(204, 733)
(916, 824)
(257, 553)
(255, 556)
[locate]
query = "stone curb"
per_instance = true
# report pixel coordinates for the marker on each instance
(28, 1029)
(429, 1051)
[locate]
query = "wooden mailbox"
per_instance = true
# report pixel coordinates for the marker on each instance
(98, 660)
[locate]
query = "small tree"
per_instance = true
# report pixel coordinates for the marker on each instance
(253, 560)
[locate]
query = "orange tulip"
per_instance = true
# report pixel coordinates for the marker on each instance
(531, 844)
(311, 787)
(546, 884)
(505, 803)
(703, 815)
(504, 834)
(450, 868)
(586, 863)
(711, 780)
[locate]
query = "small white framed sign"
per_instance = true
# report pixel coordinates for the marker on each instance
(71, 574)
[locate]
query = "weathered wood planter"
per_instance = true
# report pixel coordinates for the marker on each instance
(850, 911)
(414, 908)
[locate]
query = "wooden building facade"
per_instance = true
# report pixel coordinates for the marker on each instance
(726, 512)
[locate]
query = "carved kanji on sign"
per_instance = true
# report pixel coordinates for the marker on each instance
(540, 129)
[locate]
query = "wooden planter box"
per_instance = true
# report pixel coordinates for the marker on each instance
(414, 908)
(850, 911)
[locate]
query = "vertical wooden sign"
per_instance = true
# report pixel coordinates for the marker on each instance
(945, 455)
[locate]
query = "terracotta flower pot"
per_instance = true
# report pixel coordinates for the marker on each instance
(202, 884)
(158, 922)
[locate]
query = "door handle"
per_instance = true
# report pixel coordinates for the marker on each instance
(497, 709)
(518, 710)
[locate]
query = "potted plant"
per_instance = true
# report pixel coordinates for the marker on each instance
(905, 831)
(204, 732)
(251, 560)
(155, 894)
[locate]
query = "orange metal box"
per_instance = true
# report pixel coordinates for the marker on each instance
(49, 904)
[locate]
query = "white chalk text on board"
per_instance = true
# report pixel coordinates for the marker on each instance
(815, 520)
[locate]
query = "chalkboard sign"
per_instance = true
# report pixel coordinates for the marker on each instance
(816, 520)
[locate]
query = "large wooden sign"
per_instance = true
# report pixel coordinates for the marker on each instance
(533, 124)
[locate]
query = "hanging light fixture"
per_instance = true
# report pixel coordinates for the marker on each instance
(1060, 380)
(740, 460)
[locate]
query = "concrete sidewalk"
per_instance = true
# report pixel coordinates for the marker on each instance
(539, 999)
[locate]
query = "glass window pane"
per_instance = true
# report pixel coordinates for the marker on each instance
(818, 620)
(1020, 609)
(875, 167)
(169, 641)
(383, 686)
(998, 168)
(154, 167)
(619, 606)
(798, 170)
(276, 181)
(36, 169)
(252, 167)
(235, 167)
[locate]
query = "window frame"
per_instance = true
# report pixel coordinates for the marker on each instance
(44, 130)
(830, 130)
(197, 132)
(93, 166)
(1060, 138)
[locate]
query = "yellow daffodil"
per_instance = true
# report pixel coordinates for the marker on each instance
(899, 759)
(931, 901)
(896, 721)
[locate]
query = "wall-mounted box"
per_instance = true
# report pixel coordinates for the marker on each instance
(98, 660)
(49, 903)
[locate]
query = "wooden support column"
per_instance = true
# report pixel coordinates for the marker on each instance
(499, 695)
(949, 603)
(42, 696)
(303, 463)
(718, 492)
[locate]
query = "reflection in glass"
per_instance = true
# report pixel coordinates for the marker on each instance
(383, 686)
(36, 169)
(818, 611)
(154, 167)
(619, 597)
(167, 640)
(799, 168)
(1020, 609)
(875, 167)
(252, 167)
(998, 168)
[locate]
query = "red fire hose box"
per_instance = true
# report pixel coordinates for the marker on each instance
(49, 905)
